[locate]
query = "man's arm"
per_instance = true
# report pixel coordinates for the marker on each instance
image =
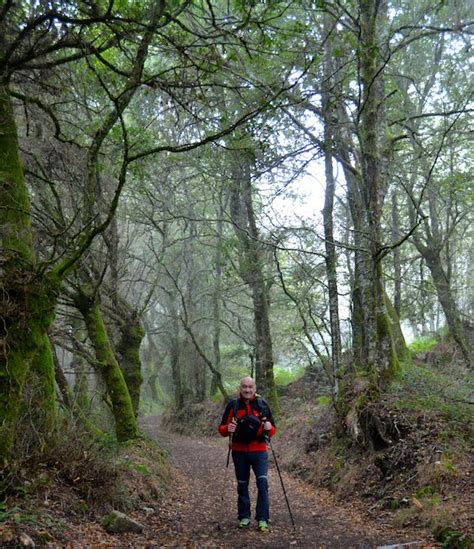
(226, 419)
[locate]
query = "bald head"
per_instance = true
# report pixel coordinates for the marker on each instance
(248, 388)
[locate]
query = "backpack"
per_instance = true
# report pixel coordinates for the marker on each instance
(248, 425)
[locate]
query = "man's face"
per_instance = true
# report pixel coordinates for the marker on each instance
(247, 388)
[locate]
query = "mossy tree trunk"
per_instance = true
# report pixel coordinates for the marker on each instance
(131, 336)
(42, 379)
(29, 291)
(27, 298)
(397, 267)
(377, 344)
(126, 318)
(444, 291)
(381, 359)
(108, 368)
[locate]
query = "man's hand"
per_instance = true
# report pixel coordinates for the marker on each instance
(267, 426)
(232, 425)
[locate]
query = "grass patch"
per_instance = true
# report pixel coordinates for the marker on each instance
(285, 376)
(324, 400)
(423, 344)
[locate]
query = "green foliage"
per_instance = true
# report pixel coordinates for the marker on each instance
(17, 514)
(423, 344)
(137, 467)
(108, 441)
(285, 376)
(453, 539)
(425, 491)
(216, 397)
(428, 496)
(324, 400)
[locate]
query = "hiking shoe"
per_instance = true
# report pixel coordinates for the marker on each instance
(263, 525)
(244, 523)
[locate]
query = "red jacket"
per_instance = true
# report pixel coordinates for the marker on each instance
(243, 409)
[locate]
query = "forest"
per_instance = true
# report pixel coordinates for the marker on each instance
(193, 191)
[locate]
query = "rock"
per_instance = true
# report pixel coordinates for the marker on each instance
(119, 523)
(26, 541)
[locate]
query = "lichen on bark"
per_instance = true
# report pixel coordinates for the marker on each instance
(27, 297)
(108, 368)
(132, 334)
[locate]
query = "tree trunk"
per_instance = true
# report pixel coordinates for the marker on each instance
(174, 353)
(152, 361)
(131, 335)
(80, 368)
(152, 386)
(381, 357)
(42, 378)
(109, 370)
(331, 259)
(450, 309)
(429, 246)
(397, 269)
(374, 348)
(66, 394)
(252, 272)
(216, 294)
(69, 402)
(27, 299)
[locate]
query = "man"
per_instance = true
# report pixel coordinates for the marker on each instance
(248, 421)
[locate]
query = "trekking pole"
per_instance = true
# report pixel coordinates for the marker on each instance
(229, 450)
(269, 441)
(227, 464)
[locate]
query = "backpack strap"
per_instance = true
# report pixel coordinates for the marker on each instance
(236, 406)
(262, 406)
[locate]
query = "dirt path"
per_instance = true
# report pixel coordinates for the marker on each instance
(200, 510)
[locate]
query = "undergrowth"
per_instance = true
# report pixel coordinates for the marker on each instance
(94, 474)
(423, 344)
(445, 393)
